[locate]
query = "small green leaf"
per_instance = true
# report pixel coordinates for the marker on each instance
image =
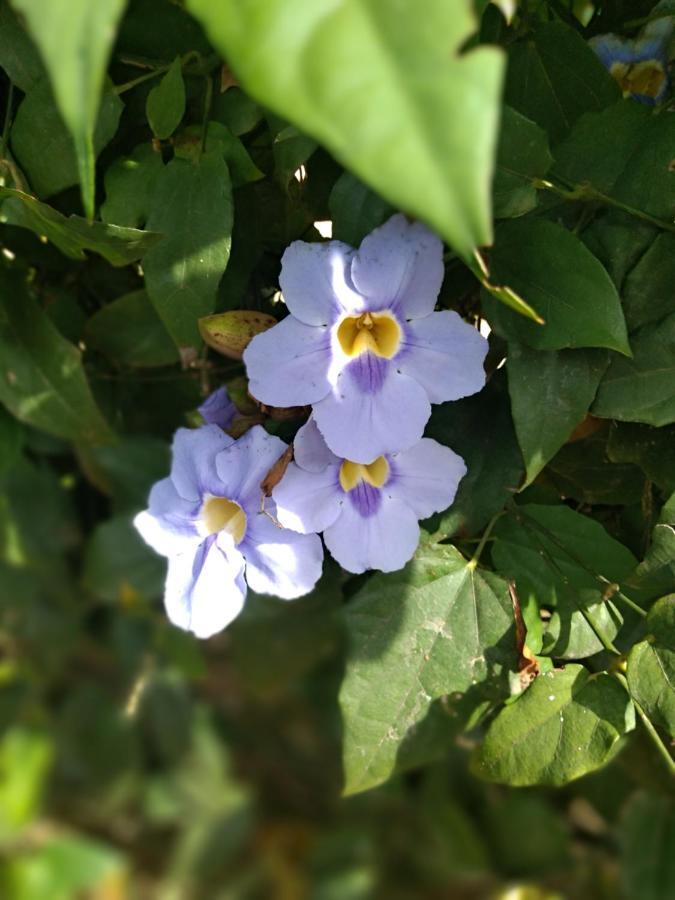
(25, 759)
(391, 96)
(555, 77)
(551, 392)
(220, 141)
(656, 573)
(651, 666)
(647, 293)
(566, 724)
(73, 234)
(230, 333)
(18, 56)
(355, 209)
(642, 389)
(554, 272)
(130, 332)
(291, 148)
(522, 155)
(118, 566)
(165, 106)
(192, 207)
(42, 381)
(75, 38)
(647, 837)
(438, 626)
(43, 145)
(129, 187)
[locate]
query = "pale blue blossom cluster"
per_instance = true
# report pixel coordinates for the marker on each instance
(364, 347)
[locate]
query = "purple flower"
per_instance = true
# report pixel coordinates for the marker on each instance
(206, 519)
(368, 513)
(639, 66)
(218, 409)
(362, 342)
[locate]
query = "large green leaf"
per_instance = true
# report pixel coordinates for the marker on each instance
(43, 145)
(73, 234)
(647, 838)
(656, 573)
(522, 155)
(43, 382)
(551, 392)
(118, 566)
(130, 332)
(18, 56)
(554, 555)
(651, 666)
(355, 209)
(75, 38)
(567, 723)
(652, 449)
(642, 389)
(438, 626)
(555, 77)
(554, 272)
(192, 207)
(387, 92)
(130, 185)
(648, 292)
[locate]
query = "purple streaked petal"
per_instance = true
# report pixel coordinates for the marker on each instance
(193, 470)
(205, 590)
(280, 562)
(288, 365)
(361, 427)
(425, 477)
(316, 281)
(385, 541)
(368, 372)
(365, 499)
(242, 466)
(445, 355)
(400, 265)
(218, 409)
(310, 451)
(306, 501)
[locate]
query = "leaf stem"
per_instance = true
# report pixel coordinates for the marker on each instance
(647, 722)
(473, 562)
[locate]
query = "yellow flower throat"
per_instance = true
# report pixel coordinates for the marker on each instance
(221, 514)
(645, 78)
(352, 474)
(378, 333)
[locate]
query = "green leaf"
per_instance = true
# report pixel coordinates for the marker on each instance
(555, 77)
(192, 207)
(25, 759)
(553, 271)
(648, 292)
(221, 141)
(652, 449)
(43, 382)
(130, 332)
(75, 38)
(551, 392)
(651, 666)
(656, 573)
(473, 428)
(291, 148)
(522, 155)
(355, 209)
(43, 146)
(566, 724)
(647, 837)
(389, 95)
(18, 56)
(11, 439)
(624, 151)
(642, 389)
(73, 234)
(554, 555)
(236, 110)
(165, 106)
(129, 187)
(437, 627)
(126, 470)
(119, 567)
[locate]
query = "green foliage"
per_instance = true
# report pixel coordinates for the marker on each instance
(651, 666)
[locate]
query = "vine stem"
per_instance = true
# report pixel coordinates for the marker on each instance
(473, 562)
(647, 722)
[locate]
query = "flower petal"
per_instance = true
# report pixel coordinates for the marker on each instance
(243, 465)
(445, 355)
(218, 409)
(168, 525)
(281, 562)
(288, 365)
(361, 426)
(205, 590)
(310, 450)
(425, 477)
(385, 541)
(194, 450)
(400, 265)
(315, 281)
(308, 502)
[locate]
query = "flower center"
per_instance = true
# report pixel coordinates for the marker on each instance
(378, 333)
(375, 473)
(645, 78)
(221, 514)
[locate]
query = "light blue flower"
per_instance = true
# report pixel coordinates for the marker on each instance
(218, 409)
(639, 66)
(206, 519)
(368, 513)
(363, 344)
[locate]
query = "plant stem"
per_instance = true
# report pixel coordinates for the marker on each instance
(651, 731)
(473, 562)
